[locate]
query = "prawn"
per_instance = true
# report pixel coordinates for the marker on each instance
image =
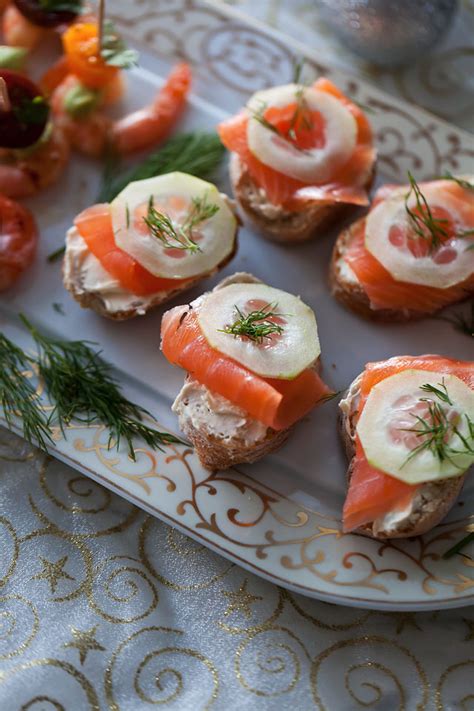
(139, 130)
(25, 173)
(18, 241)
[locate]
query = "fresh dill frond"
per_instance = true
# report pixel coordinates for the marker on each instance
(56, 255)
(256, 325)
(423, 222)
(58, 308)
(80, 385)
(201, 210)
(259, 115)
(460, 181)
(298, 70)
(198, 153)
(18, 397)
(437, 430)
(162, 227)
(457, 548)
(464, 323)
(441, 392)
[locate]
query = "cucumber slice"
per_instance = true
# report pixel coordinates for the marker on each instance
(283, 355)
(216, 235)
(390, 410)
(430, 270)
(316, 164)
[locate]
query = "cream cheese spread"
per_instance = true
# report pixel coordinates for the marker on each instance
(216, 416)
(83, 272)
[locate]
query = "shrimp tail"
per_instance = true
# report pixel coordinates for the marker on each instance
(151, 125)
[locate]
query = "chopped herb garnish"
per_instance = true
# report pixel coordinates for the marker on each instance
(57, 254)
(438, 429)
(58, 308)
(162, 227)
(32, 111)
(127, 215)
(255, 325)
(195, 153)
(423, 223)
(81, 387)
(114, 51)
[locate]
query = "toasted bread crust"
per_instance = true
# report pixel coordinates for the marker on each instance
(284, 226)
(351, 293)
(94, 301)
(216, 454)
(435, 498)
(90, 300)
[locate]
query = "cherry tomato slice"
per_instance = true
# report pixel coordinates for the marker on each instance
(44, 14)
(18, 240)
(24, 123)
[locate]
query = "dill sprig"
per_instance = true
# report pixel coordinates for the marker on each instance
(437, 430)
(423, 222)
(458, 546)
(255, 325)
(460, 181)
(18, 397)
(464, 323)
(57, 254)
(80, 385)
(301, 116)
(162, 227)
(201, 210)
(198, 153)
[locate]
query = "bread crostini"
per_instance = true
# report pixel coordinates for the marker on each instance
(407, 425)
(251, 353)
(300, 156)
(412, 255)
(157, 238)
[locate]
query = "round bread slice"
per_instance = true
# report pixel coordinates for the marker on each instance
(433, 500)
(74, 278)
(272, 221)
(348, 290)
(217, 452)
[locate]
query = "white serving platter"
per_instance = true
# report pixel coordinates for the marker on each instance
(279, 518)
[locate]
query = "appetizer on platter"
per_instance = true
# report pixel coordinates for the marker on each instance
(25, 23)
(88, 78)
(408, 430)
(300, 155)
(18, 240)
(33, 149)
(251, 353)
(158, 237)
(412, 255)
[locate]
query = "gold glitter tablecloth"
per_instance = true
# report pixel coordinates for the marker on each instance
(103, 607)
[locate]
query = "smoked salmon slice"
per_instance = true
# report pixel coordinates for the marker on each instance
(372, 493)
(95, 227)
(276, 403)
(386, 292)
(346, 184)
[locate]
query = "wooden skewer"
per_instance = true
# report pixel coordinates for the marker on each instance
(101, 23)
(5, 103)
